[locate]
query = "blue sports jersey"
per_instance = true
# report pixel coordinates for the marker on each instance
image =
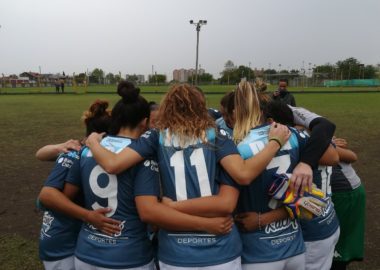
(220, 123)
(59, 233)
(214, 113)
(324, 226)
(191, 171)
(278, 240)
(131, 247)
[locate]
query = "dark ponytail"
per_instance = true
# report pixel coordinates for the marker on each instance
(130, 109)
(128, 92)
(97, 118)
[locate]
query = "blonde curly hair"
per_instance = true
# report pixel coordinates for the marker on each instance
(183, 112)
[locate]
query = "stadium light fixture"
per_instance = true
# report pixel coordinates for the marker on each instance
(198, 29)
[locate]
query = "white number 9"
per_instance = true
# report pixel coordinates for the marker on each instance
(108, 192)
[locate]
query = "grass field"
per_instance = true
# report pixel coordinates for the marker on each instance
(164, 88)
(31, 121)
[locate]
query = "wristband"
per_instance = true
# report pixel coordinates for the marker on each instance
(276, 139)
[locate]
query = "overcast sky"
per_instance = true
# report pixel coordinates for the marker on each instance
(132, 35)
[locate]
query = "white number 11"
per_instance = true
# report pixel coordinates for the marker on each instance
(197, 159)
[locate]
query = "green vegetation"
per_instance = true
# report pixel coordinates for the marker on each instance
(208, 89)
(17, 253)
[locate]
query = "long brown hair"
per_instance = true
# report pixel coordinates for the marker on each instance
(183, 112)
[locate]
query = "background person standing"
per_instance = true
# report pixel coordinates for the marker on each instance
(283, 94)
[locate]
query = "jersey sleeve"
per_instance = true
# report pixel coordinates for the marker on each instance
(322, 131)
(302, 138)
(147, 144)
(61, 169)
(147, 179)
(224, 145)
(302, 116)
(214, 113)
(74, 175)
(225, 179)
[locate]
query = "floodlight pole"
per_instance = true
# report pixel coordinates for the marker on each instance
(198, 29)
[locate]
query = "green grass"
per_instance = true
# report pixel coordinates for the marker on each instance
(109, 89)
(31, 121)
(164, 88)
(18, 253)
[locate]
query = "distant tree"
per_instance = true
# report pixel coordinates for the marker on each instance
(110, 78)
(229, 65)
(205, 78)
(232, 74)
(244, 72)
(133, 78)
(157, 78)
(326, 71)
(349, 68)
(284, 71)
(369, 72)
(270, 71)
(118, 78)
(80, 78)
(97, 76)
(294, 72)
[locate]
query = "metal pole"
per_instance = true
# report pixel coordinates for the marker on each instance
(196, 60)
(198, 29)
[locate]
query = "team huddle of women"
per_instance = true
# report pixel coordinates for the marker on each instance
(180, 186)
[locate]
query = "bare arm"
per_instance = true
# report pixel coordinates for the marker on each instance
(54, 199)
(51, 152)
(151, 211)
(346, 155)
(112, 163)
(330, 157)
(249, 221)
(222, 204)
(245, 171)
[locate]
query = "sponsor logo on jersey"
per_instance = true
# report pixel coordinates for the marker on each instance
(262, 132)
(47, 220)
(326, 210)
(337, 255)
(152, 164)
(146, 134)
(281, 225)
(114, 140)
(121, 226)
(225, 133)
(66, 162)
(285, 239)
(300, 115)
(73, 154)
(194, 239)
